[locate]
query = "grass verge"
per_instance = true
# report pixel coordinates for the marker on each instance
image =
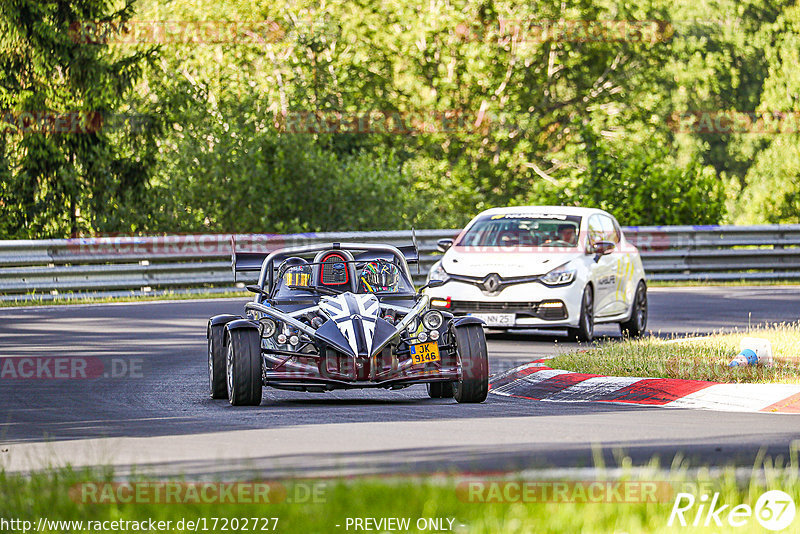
(459, 505)
(691, 358)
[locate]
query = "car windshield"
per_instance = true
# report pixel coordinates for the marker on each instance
(523, 230)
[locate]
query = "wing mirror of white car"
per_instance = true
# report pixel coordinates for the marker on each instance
(602, 248)
(443, 244)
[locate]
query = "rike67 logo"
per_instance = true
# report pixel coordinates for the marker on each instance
(774, 510)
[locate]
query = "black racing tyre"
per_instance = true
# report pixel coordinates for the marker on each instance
(473, 386)
(243, 367)
(440, 390)
(585, 330)
(217, 386)
(637, 324)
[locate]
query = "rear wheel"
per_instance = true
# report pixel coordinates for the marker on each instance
(440, 390)
(217, 386)
(243, 367)
(470, 342)
(585, 330)
(636, 325)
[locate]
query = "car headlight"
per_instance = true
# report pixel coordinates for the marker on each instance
(559, 277)
(432, 319)
(437, 272)
(268, 327)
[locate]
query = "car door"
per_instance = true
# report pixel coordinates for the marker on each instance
(623, 268)
(603, 274)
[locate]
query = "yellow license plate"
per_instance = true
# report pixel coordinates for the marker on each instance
(425, 352)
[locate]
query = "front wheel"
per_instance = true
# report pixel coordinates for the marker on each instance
(636, 325)
(470, 342)
(243, 367)
(216, 362)
(585, 330)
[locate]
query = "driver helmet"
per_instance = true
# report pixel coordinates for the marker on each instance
(380, 277)
(296, 272)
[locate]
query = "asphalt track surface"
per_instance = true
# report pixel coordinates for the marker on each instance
(159, 415)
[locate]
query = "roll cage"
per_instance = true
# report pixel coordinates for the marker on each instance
(351, 254)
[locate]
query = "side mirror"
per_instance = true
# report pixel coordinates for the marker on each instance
(443, 244)
(603, 247)
(257, 289)
(431, 283)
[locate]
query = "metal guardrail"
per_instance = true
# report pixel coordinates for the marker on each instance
(115, 266)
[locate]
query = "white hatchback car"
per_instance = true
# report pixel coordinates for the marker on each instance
(543, 267)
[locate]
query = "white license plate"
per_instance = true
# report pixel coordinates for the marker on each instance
(496, 319)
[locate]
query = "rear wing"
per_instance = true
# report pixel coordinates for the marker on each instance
(411, 253)
(242, 262)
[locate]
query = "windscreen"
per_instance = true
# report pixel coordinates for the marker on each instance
(523, 230)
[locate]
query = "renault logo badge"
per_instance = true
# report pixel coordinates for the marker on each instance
(491, 283)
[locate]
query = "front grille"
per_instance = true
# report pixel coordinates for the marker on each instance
(524, 308)
(481, 306)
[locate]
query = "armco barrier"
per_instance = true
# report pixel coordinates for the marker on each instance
(115, 266)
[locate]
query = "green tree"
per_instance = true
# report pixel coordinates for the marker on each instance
(569, 116)
(644, 185)
(68, 179)
(772, 192)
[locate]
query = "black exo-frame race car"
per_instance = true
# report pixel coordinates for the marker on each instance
(341, 316)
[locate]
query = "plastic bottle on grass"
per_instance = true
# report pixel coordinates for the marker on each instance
(746, 357)
(762, 348)
(753, 351)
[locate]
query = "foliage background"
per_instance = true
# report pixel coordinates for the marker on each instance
(563, 121)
